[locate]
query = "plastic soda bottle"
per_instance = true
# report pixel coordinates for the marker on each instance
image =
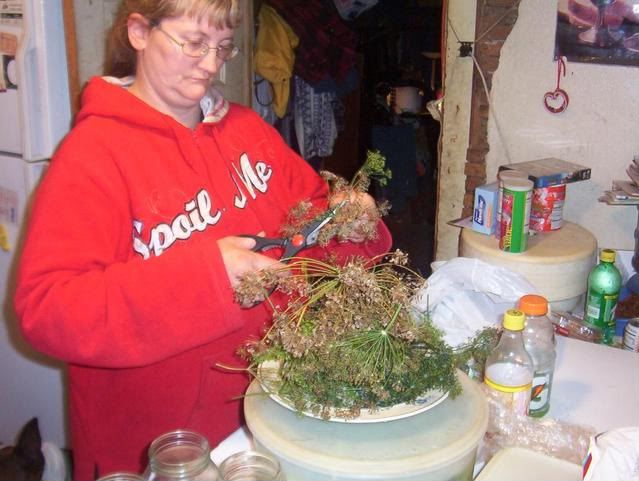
(509, 368)
(539, 341)
(604, 284)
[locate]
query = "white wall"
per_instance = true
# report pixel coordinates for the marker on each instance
(599, 129)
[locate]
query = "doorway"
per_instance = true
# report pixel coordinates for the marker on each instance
(399, 44)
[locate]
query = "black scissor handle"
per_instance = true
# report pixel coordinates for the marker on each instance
(265, 243)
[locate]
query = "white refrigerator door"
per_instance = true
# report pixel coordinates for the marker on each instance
(34, 85)
(30, 384)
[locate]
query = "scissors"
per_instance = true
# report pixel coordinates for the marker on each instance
(305, 238)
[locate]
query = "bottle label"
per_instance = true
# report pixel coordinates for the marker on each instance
(600, 312)
(540, 393)
(515, 398)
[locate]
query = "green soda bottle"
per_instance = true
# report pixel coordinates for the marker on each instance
(604, 284)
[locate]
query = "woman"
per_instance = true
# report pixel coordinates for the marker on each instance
(132, 251)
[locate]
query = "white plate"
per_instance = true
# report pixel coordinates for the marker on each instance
(399, 411)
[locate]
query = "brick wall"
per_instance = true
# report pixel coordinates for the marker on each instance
(495, 20)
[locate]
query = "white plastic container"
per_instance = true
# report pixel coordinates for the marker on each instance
(557, 263)
(519, 464)
(438, 444)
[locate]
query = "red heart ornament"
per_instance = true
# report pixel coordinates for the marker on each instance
(557, 101)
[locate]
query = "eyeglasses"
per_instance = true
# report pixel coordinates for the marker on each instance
(200, 49)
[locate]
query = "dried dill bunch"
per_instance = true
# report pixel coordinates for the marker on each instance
(349, 339)
(352, 217)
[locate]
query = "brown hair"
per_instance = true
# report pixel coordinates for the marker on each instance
(121, 57)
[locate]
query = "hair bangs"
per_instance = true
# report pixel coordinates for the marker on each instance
(219, 13)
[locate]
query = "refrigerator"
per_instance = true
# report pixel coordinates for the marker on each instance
(35, 114)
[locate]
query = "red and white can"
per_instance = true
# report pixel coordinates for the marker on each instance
(547, 208)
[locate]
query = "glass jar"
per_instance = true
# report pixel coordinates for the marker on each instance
(180, 455)
(247, 465)
(121, 476)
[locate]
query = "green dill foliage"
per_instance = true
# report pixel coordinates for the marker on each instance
(374, 168)
(349, 338)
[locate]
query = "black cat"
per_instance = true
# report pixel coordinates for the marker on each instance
(24, 461)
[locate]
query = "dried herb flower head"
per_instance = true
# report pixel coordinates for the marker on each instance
(352, 216)
(349, 338)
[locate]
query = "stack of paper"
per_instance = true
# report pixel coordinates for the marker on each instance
(624, 192)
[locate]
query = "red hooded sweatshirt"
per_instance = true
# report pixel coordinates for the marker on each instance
(122, 278)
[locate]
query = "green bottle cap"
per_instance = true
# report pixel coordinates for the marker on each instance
(607, 255)
(514, 320)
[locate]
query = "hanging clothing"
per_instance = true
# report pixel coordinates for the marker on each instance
(314, 120)
(274, 56)
(328, 46)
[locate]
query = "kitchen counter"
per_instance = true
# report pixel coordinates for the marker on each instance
(594, 386)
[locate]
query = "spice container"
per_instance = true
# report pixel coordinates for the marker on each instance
(180, 455)
(515, 215)
(248, 465)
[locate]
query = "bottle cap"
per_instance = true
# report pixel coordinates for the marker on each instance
(533, 305)
(607, 255)
(514, 320)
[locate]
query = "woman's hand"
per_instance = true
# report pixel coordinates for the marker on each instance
(366, 208)
(239, 259)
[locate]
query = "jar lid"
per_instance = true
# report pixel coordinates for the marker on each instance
(607, 255)
(533, 305)
(514, 320)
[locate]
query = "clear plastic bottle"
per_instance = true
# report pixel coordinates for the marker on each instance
(539, 341)
(509, 368)
(181, 455)
(604, 284)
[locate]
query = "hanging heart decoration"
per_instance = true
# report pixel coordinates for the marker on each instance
(557, 100)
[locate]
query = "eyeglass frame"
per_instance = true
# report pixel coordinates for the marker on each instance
(205, 47)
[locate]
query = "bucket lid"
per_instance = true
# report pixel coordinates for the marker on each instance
(422, 443)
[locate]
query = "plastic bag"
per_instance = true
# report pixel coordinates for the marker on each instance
(548, 436)
(613, 456)
(465, 295)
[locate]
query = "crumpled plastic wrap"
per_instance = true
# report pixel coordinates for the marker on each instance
(613, 456)
(545, 435)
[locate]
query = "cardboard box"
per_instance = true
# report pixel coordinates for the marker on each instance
(485, 208)
(550, 171)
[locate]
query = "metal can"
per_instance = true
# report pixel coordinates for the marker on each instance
(547, 208)
(515, 215)
(631, 335)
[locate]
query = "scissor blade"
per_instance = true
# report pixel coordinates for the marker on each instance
(311, 237)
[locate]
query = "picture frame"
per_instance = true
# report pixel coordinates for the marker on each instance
(598, 31)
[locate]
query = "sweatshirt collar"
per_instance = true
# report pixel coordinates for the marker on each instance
(214, 106)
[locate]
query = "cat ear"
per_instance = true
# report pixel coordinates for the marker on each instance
(28, 447)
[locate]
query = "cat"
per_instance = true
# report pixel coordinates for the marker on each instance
(24, 461)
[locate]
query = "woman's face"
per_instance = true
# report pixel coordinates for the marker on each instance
(170, 80)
